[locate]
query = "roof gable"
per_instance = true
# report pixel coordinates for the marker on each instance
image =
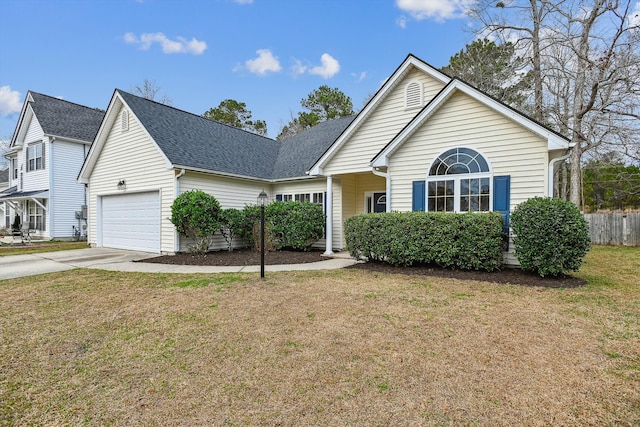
(59, 118)
(554, 140)
(193, 142)
(410, 62)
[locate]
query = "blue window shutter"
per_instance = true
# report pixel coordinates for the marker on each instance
(502, 199)
(418, 195)
(278, 197)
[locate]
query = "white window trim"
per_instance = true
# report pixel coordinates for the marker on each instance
(457, 178)
(32, 146)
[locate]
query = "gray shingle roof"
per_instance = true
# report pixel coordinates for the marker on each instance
(300, 152)
(66, 119)
(193, 141)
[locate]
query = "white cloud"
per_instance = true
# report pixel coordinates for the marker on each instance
(402, 22)
(263, 64)
(360, 77)
(9, 101)
(330, 67)
(180, 45)
(438, 10)
(298, 68)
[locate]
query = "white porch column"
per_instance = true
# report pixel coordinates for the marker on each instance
(329, 225)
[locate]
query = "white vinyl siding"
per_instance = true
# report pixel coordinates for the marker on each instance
(132, 156)
(382, 124)
(66, 195)
(231, 193)
(36, 179)
(463, 121)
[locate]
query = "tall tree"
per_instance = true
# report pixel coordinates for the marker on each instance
(149, 90)
(495, 69)
(587, 56)
(234, 113)
(324, 103)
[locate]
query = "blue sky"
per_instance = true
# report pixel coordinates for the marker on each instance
(267, 53)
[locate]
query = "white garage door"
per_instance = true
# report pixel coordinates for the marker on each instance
(131, 221)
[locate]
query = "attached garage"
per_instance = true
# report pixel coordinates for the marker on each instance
(131, 221)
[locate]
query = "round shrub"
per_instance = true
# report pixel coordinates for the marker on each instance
(551, 236)
(196, 214)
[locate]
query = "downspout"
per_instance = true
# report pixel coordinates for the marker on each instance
(552, 165)
(175, 196)
(50, 211)
(387, 177)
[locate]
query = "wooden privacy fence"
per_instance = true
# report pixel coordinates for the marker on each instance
(614, 228)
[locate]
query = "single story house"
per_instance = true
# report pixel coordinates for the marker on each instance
(47, 149)
(425, 141)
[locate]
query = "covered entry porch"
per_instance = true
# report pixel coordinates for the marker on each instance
(352, 194)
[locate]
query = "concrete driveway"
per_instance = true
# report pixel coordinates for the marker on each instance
(49, 262)
(121, 260)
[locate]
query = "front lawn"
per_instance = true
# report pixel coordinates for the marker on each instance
(343, 347)
(49, 246)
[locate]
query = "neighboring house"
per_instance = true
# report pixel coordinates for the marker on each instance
(47, 149)
(425, 141)
(4, 184)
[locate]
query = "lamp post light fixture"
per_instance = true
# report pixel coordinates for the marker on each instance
(262, 201)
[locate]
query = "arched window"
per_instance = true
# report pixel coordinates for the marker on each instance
(413, 95)
(459, 181)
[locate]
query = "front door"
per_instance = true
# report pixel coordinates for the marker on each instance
(375, 202)
(379, 202)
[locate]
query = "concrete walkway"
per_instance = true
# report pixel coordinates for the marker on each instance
(120, 260)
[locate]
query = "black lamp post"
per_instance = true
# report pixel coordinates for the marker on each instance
(262, 201)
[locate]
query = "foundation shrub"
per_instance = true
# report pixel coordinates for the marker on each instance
(551, 236)
(464, 241)
(295, 225)
(196, 214)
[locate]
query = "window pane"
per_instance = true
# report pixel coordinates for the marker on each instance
(484, 203)
(431, 204)
(458, 168)
(474, 204)
(473, 167)
(439, 204)
(482, 163)
(484, 185)
(432, 188)
(464, 186)
(449, 204)
(464, 204)
(449, 188)
(475, 189)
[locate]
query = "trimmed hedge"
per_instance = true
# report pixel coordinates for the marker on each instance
(551, 236)
(196, 214)
(465, 241)
(295, 225)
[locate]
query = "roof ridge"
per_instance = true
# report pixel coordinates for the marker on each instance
(62, 100)
(195, 115)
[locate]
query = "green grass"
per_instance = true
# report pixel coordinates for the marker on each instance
(343, 347)
(50, 246)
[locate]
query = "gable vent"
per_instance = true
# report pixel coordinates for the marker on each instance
(124, 118)
(413, 95)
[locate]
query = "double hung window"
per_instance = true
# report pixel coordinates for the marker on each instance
(35, 157)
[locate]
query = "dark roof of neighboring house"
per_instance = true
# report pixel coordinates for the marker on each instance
(65, 119)
(196, 142)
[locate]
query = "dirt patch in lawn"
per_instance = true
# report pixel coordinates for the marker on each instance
(250, 257)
